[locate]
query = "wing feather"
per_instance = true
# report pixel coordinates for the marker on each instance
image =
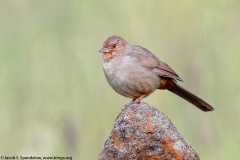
(150, 61)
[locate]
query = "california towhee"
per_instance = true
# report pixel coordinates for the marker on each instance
(135, 72)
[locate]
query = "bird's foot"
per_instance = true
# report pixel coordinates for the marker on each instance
(134, 101)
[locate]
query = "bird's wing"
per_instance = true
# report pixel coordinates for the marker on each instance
(149, 60)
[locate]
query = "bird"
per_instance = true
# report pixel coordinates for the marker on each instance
(135, 72)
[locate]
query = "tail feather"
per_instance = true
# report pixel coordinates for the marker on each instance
(185, 94)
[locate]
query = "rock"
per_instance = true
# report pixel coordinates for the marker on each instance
(143, 132)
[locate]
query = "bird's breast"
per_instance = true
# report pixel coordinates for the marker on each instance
(129, 78)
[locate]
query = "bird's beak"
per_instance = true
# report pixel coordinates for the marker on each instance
(104, 50)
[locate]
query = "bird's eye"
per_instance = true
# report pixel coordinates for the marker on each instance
(114, 45)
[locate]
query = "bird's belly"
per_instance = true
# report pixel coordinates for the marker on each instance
(132, 81)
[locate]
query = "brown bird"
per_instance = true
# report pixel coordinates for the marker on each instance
(135, 72)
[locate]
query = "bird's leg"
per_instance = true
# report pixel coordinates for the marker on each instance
(138, 100)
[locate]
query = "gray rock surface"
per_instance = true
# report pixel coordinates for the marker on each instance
(143, 132)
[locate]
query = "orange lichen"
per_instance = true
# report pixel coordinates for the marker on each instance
(117, 143)
(130, 114)
(113, 134)
(154, 137)
(168, 146)
(149, 126)
(143, 155)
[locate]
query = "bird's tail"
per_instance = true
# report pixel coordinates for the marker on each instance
(185, 94)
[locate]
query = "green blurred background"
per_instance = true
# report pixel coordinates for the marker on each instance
(55, 100)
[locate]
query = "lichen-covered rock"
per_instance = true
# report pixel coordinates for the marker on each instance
(144, 133)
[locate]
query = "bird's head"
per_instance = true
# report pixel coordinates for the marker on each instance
(113, 47)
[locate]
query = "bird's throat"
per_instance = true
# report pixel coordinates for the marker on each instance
(108, 56)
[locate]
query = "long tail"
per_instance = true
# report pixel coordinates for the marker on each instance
(185, 94)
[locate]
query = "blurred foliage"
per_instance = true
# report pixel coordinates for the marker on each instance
(55, 101)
